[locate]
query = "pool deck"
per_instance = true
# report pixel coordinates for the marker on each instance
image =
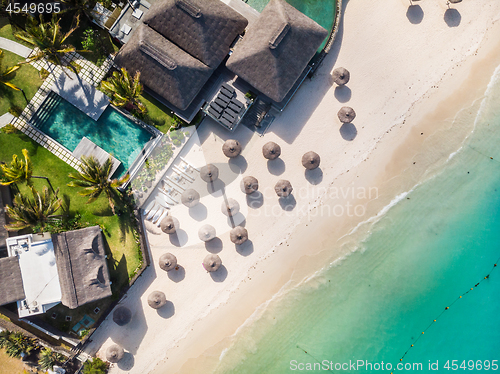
(89, 72)
(81, 94)
(88, 148)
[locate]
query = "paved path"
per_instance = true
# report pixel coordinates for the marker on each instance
(6, 119)
(14, 47)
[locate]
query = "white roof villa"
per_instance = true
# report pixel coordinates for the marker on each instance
(42, 271)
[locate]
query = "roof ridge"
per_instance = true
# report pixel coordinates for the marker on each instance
(189, 8)
(70, 265)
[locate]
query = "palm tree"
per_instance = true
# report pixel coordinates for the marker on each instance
(95, 179)
(79, 7)
(124, 90)
(29, 213)
(17, 344)
(5, 72)
(20, 171)
(49, 358)
(96, 366)
(48, 39)
(4, 338)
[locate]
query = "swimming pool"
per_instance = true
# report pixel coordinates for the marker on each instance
(113, 132)
(321, 11)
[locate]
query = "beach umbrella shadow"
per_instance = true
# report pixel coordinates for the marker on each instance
(167, 310)
(179, 238)
(288, 203)
(452, 17)
(314, 176)
(238, 164)
(177, 274)
(415, 14)
(214, 245)
(245, 249)
(255, 200)
(343, 94)
(127, 362)
(348, 131)
(220, 275)
(276, 166)
(198, 212)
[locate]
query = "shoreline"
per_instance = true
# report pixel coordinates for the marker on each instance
(381, 156)
(209, 358)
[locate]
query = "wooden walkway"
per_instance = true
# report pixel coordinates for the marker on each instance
(88, 148)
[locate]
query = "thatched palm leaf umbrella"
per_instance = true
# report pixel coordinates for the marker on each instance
(209, 173)
(169, 224)
(212, 263)
(311, 160)
(206, 233)
(341, 76)
(239, 235)
(454, 1)
(283, 188)
(231, 208)
(157, 299)
(346, 114)
(122, 316)
(271, 150)
(249, 185)
(114, 353)
(231, 148)
(190, 197)
(167, 261)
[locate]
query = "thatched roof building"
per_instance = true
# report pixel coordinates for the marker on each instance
(12, 285)
(165, 68)
(81, 265)
(179, 46)
(203, 28)
(276, 49)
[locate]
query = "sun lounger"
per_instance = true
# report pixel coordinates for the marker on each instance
(226, 93)
(228, 87)
(158, 223)
(223, 98)
(220, 102)
(153, 212)
(175, 183)
(225, 122)
(159, 212)
(169, 182)
(184, 174)
(213, 112)
(148, 208)
(168, 197)
(216, 107)
(188, 163)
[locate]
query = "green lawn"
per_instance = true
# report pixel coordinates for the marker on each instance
(124, 256)
(158, 115)
(26, 78)
(7, 31)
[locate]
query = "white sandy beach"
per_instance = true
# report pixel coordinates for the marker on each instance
(410, 78)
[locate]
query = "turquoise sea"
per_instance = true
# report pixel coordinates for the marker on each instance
(418, 259)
